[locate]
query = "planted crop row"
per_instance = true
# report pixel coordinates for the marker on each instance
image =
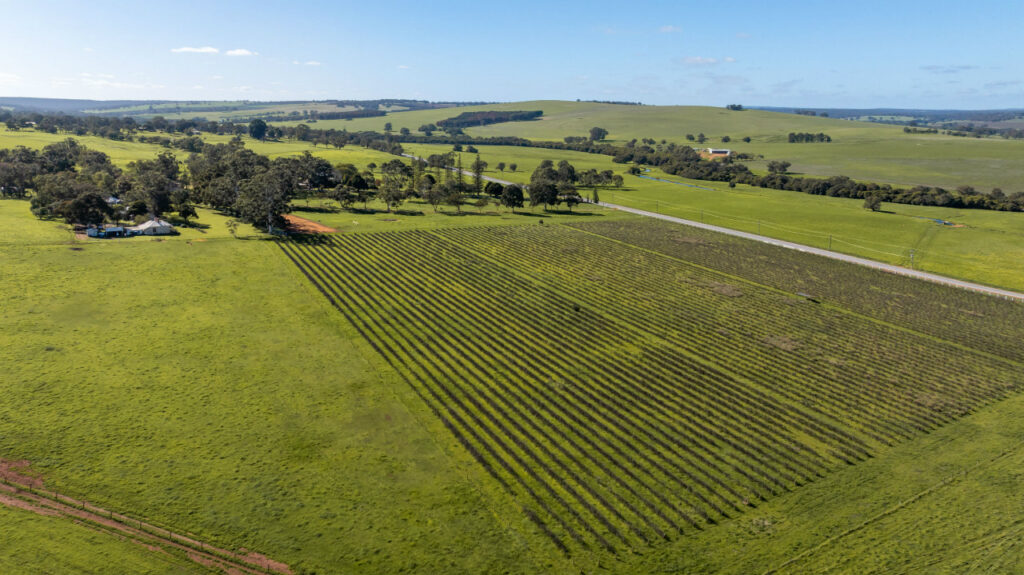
(979, 321)
(620, 396)
(621, 453)
(888, 383)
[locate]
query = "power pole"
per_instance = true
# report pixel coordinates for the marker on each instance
(911, 259)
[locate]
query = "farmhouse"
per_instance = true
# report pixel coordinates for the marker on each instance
(715, 153)
(154, 227)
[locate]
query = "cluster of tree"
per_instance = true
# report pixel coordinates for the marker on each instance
(470, 119)
(910, 130)
(807, 137)
(735, 107)
(252, 187)
(113, 128)
(72, 182)
(551, 185)
(982, 131)
(315, 115)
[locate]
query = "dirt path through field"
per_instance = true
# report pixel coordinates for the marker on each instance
(304, 226)
(22, 491)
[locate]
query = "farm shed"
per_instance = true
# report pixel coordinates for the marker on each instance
(154, 227)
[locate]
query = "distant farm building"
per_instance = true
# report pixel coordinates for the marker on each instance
(715, 153)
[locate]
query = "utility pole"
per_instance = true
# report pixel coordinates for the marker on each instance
(830, 242)
(911, 259)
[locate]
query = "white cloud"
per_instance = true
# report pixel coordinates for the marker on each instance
(668, 29)
(699, 61)
(742, 35)
(306, 63)
(87, 49)
(193, 50)
(403, 67)
(704, 61)
(103, 76)
(9, 79)
(198, 87)
(217, 77)
(241, 52)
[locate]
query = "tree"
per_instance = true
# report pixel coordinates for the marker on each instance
(404, 131)
(513, 166)
(512, 197)
(726, 139)
(617, 181)
(387, 127)
(494, 189)
(501, 166)
(778, 167)
(482, 203)
(873, 202)
(478, 174)
(690, 137)
(701, 138)
(395, 175)
(88, 208)
(595, 197)
(265, 197)
(746, 139)
(258, 129)
(453, 194)
(597, 134)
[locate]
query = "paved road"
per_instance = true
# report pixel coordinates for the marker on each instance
(811, 250)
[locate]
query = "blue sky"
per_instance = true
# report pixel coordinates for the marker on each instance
(906, 54)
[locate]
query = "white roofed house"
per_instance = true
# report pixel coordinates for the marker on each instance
(154, 227)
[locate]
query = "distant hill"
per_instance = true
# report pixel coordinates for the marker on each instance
(59, 105)
(903, 115)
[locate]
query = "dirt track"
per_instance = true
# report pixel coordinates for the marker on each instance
(19, 490)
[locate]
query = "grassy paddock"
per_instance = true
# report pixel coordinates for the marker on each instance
(207, 387)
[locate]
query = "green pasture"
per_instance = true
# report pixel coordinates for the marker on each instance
(984, 250)
(242, 111)
(207, 387)
(860, 150)
(36, 544)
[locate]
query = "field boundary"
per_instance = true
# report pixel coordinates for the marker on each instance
(899, 270)
(25, 493)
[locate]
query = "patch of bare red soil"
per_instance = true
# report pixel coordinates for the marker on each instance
(304, 226)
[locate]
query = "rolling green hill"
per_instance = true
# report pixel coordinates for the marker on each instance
(860, 150)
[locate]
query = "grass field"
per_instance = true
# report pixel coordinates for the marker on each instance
(985, 249)
(213, 111)
(860, 150)
(36, 544)
(206, 386)
(493, 392)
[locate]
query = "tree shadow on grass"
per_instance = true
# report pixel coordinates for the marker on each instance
(315, 209)
(408, 212)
